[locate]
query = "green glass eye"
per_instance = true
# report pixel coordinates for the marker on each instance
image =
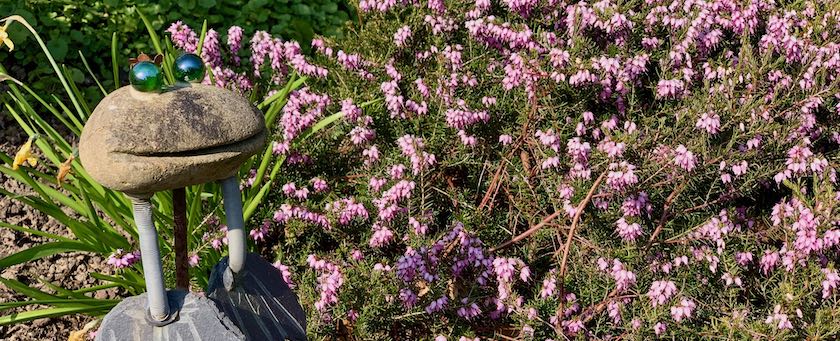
(146, 77)
(189, 67)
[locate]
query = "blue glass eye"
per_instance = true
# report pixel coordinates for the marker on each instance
(189, 67)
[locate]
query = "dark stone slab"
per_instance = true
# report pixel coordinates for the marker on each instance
(257, 300)
(198, 319)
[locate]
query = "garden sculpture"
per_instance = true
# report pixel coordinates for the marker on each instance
(143, 139)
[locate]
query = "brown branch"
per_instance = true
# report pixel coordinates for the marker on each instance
(496, 181)
(179, 214)
(722, 198)
(571, 235)
(666, 210)
(494, 185)
(527, 233)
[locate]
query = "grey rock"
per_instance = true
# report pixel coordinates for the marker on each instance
(198, 319)
(140, 143)
(257, 300)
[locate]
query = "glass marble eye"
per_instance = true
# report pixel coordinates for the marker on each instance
(146, 77)
(189, 67)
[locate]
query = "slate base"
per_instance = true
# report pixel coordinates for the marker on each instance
(198, 319)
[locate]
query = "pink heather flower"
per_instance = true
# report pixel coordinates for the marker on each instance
(412, 147)
(829, 284)
(376, 184)
(397, 171)
(467, 140)
(193, 260)
(291, 190)
(440, 338)
(612, 149)
(371, 155)
(279, 148)
(350, 111)
(382, 236)
(469, 310)
(419, 229)
(740, 169)
(603, 264)
(303, 109)
(661, 291)
(121, 259)
(634, 205)
(353, 315)
(672, 88)
(621, 175)
(627, 232)
(234, 41)
(402, 35)
(357, 255)
(258, 234)
(710, 122)
(381, 267)
(347, 210)
(296, 59)
(288, 212)
(319, 185)
(683, 310)
(532, 314)
(743, 258)
(768, 261)
(614, 311)
(437, 305)
(659, 328)
(505, 139)
(778, 319)
(549, 285)
(684, 158)
(649, 43)
(287, 274)
(329, 280)
(488, 101)
(572, 327)
(252, 176)
(211, 51)
(730, 279)
(183, 37)
(624, 279)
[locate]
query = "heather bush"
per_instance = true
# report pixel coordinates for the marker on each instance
(537, 169)
(540, 169)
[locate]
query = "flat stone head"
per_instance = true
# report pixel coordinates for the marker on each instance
(140, 143)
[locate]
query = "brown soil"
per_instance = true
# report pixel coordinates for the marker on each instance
(69, 270)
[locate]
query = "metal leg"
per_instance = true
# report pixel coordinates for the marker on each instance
(150, 255)
(237, 244)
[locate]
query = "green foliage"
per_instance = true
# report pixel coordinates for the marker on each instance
(101, 220)
(92, 26)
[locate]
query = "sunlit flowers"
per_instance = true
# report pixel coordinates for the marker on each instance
(121, 259)
(24, 155)
(4, 37)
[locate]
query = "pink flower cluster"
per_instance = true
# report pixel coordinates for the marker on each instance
(660, 292)
(288, 212)
(330, 281)
(121, 259)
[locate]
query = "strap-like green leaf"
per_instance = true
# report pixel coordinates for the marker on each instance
(41, 251)
(51, 312)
